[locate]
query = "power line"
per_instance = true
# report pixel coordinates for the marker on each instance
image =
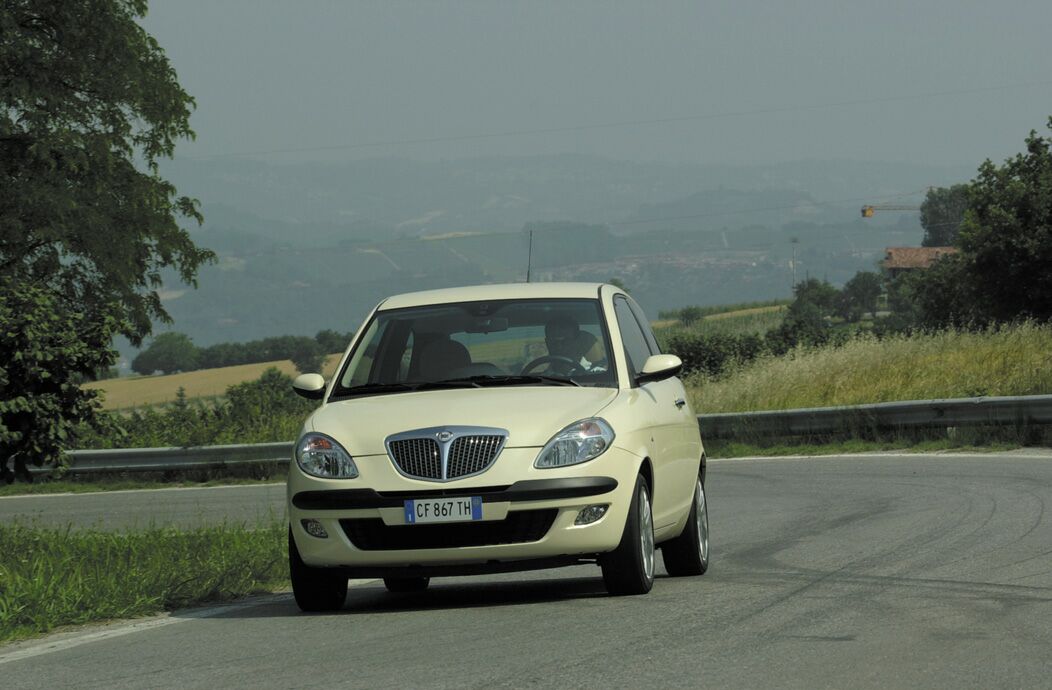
(625, 123)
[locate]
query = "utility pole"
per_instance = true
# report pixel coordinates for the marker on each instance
(794, 241)
(529, 258)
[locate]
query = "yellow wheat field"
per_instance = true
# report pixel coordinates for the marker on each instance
(204, 383)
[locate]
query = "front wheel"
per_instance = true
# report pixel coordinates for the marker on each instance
(315, 589)
(688, 554)
(629, 569)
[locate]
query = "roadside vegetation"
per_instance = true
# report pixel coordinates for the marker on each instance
(999, 360)
(56, 577)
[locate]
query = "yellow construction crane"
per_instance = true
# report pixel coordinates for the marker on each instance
(869, 209)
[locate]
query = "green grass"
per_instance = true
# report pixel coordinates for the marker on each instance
(1013, 360)
(55, 577)
(81, 486)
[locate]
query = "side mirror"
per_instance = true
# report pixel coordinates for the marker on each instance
(310, 386)
(659, 368)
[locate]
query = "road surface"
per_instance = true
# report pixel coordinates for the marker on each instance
(839, 572)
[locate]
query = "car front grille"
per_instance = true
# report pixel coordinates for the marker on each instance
(520, 527)
(445, 453)
(417, 457)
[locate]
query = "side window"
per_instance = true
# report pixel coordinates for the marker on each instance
(641, 318)
(636, 348)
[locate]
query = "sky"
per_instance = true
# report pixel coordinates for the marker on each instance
(944, 82)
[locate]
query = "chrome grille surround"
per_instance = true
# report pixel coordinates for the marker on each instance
(445, 453)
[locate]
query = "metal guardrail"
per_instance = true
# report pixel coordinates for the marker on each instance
(911, 414)
(166, 459)
(914, 414)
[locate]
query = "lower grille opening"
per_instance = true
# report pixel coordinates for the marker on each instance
(521, 526)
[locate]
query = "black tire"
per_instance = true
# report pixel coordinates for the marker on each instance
(406, 584)
(315, 589)
(629, 569)
(688, 554)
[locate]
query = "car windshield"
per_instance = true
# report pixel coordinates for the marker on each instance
(480, 344)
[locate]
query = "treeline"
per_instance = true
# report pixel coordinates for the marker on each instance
(257, 411)
(172, 352)
(819, 314)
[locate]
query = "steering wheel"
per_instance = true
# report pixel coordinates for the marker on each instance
(571, 366)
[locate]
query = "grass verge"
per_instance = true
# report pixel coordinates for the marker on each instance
(1013, 360)
(68, 486)
(55, 577)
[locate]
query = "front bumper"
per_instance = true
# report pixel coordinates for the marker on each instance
(511, 487)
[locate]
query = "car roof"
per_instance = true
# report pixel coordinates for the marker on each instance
(479, 293)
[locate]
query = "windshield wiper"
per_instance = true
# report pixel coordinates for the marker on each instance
(447, 383)
(379, 388)
(372, 388)
(517, 380)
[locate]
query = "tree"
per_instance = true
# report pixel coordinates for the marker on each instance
(332, 341)
(85, 93)
(1003, 271)
(804, 324)
(819, 293)
(306, 354)
(88, 106)
(168, 353)
(860, 294)
(618, 283)
(941, 214)
(45, 352)
(1006, 237)
(690, 315)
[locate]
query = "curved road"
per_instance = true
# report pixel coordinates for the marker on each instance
(920, 571)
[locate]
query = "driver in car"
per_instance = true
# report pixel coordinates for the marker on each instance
(564, 338)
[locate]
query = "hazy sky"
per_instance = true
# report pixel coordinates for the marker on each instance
(277, 75)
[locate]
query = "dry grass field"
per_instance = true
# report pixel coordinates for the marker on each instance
(138, 391)
(1012, 360)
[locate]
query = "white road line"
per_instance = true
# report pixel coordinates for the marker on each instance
(63, 641)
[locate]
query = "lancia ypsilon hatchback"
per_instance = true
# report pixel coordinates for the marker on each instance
(491, 429)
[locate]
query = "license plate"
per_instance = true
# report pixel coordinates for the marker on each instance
(424, 510)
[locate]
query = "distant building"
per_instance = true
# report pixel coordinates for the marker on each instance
(899, 260)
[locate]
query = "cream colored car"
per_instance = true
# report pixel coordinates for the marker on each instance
(491, 429)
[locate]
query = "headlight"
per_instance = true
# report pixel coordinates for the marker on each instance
(320, 456)
(579, 442)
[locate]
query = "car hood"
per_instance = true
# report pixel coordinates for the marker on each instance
(531, 414)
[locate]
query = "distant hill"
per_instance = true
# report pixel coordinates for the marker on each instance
(306, 247)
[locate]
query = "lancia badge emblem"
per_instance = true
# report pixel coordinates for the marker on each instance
(444, 436)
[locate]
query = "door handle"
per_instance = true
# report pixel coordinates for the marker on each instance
(680, 402)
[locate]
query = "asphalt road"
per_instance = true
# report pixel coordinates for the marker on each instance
(834, 572)
(248, 504)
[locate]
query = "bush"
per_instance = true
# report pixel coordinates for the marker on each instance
(713, 354)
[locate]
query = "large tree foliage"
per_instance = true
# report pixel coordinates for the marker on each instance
(88, 106)
(860, 294)
(1003, 271)
(168, 353)
(941, 214)
(1006, 237)
(85, 95)
(45, 351)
